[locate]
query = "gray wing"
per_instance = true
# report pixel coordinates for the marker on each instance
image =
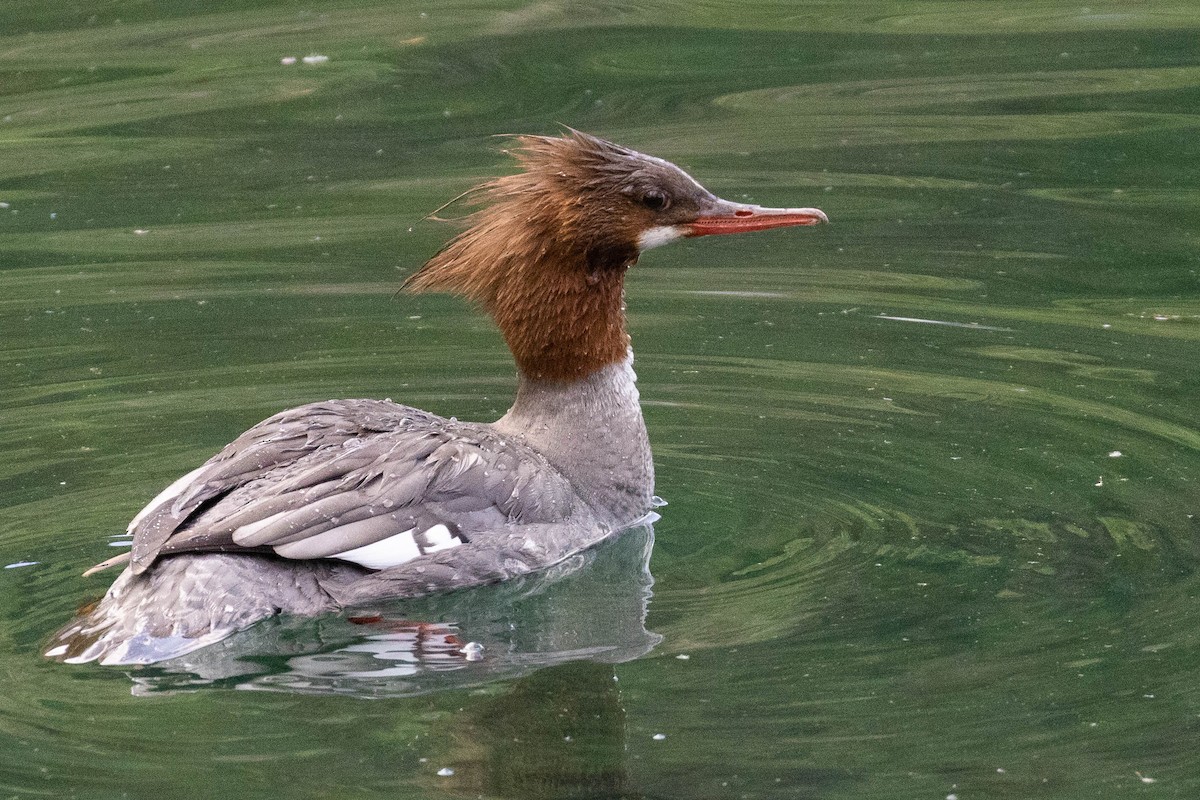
(365, 481)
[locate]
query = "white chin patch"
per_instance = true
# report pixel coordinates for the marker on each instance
(656, 237)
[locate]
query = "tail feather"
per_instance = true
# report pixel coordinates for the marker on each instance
(187, 602)
(123, 558)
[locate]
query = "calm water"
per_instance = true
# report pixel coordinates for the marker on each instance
(933, 470)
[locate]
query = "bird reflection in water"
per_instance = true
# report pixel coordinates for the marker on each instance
(591, 607)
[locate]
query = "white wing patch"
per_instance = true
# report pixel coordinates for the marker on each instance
(439, 537)
(385, 553)
(401, 547)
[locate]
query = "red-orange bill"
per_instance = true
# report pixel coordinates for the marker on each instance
(747, 218)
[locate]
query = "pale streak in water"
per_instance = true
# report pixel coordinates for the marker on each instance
(972, 325)
(734, 293)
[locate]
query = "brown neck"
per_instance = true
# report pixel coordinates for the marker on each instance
(554, 287)
(561, 321)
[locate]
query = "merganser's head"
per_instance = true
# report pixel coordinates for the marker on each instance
(553, 242)
(593, 203)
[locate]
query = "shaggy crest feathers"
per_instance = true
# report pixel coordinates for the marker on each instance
(525, 214)
(546, 254)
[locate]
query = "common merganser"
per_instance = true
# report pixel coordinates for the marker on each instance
(346, 502)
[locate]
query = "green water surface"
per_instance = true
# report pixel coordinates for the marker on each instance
(933, 469)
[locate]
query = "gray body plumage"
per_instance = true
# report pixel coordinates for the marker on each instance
(274, 522)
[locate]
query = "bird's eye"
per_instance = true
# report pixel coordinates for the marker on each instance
(655, 201)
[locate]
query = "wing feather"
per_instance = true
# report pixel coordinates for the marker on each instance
(336, 479)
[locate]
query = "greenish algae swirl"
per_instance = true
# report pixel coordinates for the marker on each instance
(933, 470)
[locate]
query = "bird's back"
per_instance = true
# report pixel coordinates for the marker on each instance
(325, 506)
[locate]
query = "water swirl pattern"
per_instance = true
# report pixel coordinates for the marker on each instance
(933, 469)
